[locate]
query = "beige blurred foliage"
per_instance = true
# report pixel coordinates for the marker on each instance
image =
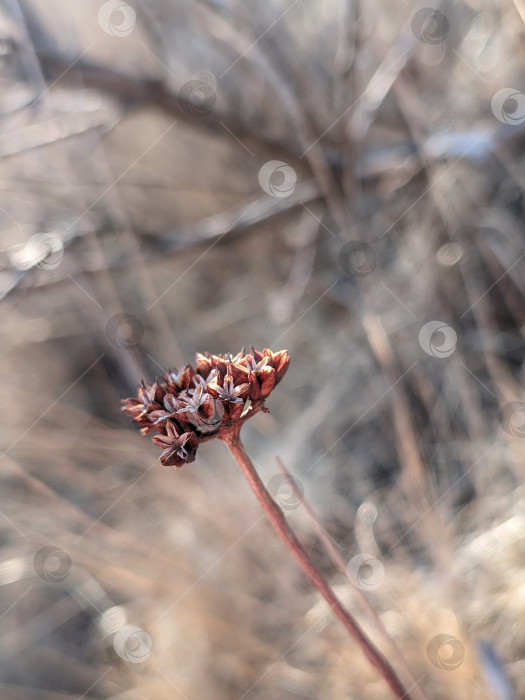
(154, 210)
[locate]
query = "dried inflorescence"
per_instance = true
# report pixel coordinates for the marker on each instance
(202, 402)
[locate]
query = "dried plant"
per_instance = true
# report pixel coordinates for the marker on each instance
(212, 400)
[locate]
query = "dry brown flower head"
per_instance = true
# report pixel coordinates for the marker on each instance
(204, 401)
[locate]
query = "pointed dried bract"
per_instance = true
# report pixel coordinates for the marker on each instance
(198, 403)
(192, 402)
(178, 381)
(279, 361)
(266, 379)
(178, 449)
(226, 389)
(204, 365)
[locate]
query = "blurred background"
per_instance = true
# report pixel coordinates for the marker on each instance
(338, 178)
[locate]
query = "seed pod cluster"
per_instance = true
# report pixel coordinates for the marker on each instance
(200, 402)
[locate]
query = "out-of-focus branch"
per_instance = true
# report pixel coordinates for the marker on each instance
(234, 222)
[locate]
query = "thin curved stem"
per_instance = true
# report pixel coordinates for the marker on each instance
(276, 517)
(339, 562)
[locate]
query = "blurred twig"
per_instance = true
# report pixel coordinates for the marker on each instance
(236, 221)
(414, 480)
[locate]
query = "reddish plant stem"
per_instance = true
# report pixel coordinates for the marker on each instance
(276, 517)
(340, 563)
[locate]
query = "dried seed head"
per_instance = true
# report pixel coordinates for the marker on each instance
(195, 404)
(178, 449)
